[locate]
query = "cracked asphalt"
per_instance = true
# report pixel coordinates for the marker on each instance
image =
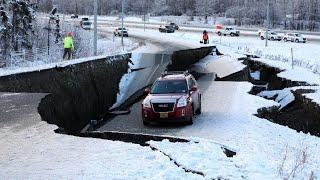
(19, 110)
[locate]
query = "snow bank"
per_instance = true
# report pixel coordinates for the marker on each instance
(295, 74)
(39, 153)
(205, 156)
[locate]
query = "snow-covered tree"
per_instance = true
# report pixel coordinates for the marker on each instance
(160, 7)
(289, 14)
(5, 29)
(16, 25)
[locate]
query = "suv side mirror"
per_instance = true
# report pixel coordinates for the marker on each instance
(194, 88)
(146, 91)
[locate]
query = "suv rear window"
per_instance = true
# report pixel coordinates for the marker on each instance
(170, 86)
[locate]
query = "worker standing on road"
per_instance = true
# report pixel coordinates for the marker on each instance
(68, 46)
(205, 37)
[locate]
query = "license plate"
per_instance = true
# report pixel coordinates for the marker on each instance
(163, 115)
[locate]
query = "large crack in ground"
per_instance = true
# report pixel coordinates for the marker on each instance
(187, 170)
(144, 139)
(301, 114)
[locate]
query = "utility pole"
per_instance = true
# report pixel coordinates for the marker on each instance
(292, 23)
(144, 16)
(48, 40)
(122, 14)
(267, 26)
(239, 13)
(95, 36)
(148, 10)
(144, 21)
(63, 10)
(206, 12)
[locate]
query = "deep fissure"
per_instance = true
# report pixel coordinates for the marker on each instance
(300, 115)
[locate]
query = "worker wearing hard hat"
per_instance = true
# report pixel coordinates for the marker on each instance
(68, 46)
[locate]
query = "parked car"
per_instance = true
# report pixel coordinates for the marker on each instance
(86, 25)
(271, 36)
(174, 26)
(166, 29)
(174, 97)
(262, 31)
(294, 37)
(119, 31)
(74, 16)
(84, 19)
(228, 31)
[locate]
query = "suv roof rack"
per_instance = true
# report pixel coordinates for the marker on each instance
(166, 73)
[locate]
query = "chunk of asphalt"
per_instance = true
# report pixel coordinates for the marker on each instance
(135, 138)
(143, 139)
(229, 153)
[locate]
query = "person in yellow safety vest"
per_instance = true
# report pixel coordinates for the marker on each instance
(68, 45)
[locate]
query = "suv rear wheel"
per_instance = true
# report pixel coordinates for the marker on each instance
(198, 111)
(191, 118)
(219, 33)
(190, 122)
(262, 38)
(146, 123)
(297, 40)
(285, 39)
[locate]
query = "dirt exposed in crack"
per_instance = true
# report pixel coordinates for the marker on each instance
(302, 114)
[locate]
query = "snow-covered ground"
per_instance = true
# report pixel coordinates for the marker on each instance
(39, 153)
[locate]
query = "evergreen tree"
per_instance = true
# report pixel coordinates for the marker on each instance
(16, 25)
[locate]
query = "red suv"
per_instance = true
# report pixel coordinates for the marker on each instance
(174, 97)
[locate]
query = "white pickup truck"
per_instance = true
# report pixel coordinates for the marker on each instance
(228, 31)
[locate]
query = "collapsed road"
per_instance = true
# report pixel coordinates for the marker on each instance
(223, 102)
(78, 93)
(227, 103)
